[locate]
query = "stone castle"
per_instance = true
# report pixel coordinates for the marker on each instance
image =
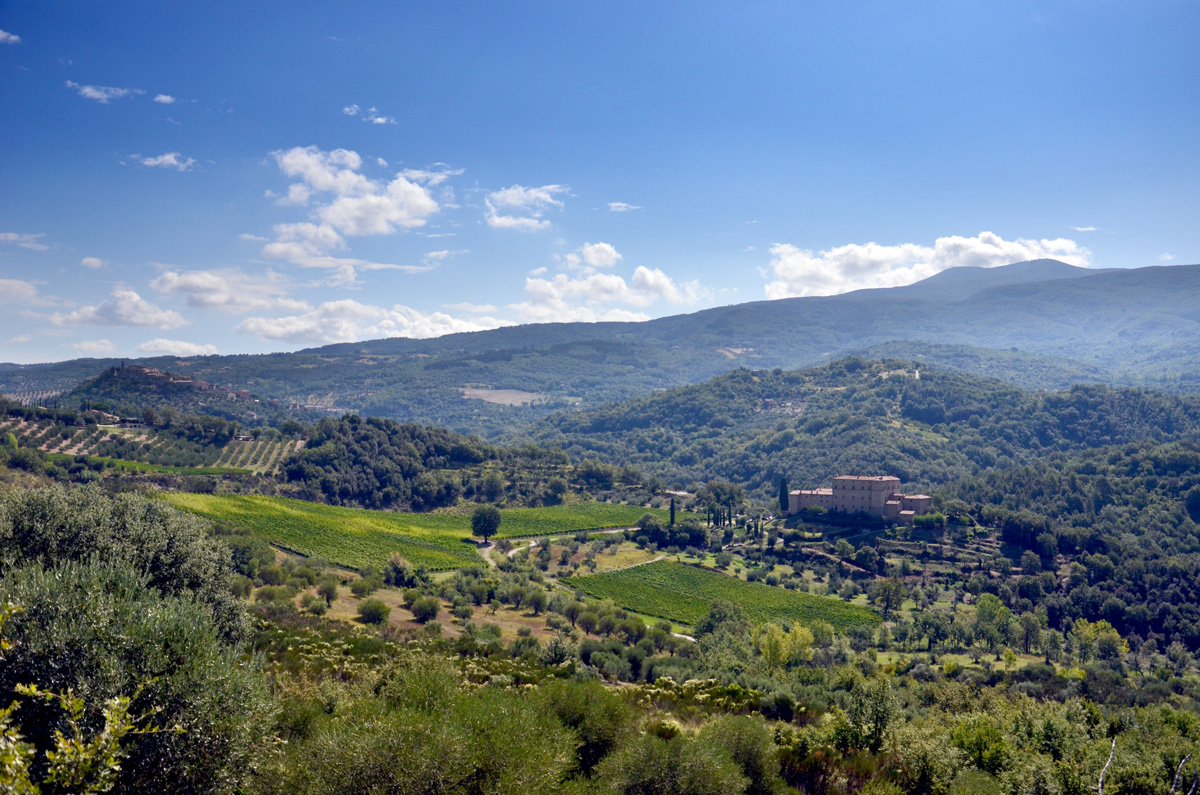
(877, 495)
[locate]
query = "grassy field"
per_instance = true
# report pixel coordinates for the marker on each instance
(562, 519)
(349, 537)
(360, 538)
(678, 592)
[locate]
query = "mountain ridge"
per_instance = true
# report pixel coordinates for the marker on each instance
(1124, 327)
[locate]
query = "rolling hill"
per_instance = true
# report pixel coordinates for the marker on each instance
(1123, 327)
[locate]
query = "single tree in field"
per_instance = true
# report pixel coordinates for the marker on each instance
(783, 494)
(485, 521)
(672, 512)
(890, 594)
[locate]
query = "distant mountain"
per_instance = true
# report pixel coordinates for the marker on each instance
(1139, 326)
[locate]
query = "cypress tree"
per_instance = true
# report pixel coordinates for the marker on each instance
(672, 512)
(783, 494)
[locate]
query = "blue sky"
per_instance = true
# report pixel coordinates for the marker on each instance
(250, 177)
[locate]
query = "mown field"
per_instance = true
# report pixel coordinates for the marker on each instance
(682, 593)
(360, 538)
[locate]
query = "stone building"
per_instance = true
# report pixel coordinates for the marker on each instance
(875, 495)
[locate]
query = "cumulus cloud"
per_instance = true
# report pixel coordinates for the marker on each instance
(15, 291)
(164, 99)
(348, 204)
(123, 308)
(350, 321)
(103, 94)
(167, 347)
(521, 208)
(98, 347)
(173, 160)
(92, 262)
(1166, 257)
(595, 255)
(566, 298)
(622, 207)
(229, 290)
(30, 242)
(800, 272)
(9, 38)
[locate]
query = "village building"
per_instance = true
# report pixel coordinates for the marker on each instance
(875, 495)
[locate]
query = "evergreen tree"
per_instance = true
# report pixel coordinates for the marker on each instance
(672, 512)
(783, 494)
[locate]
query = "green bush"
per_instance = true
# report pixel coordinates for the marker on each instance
(102, 631)
(373, 611)
(425, 608)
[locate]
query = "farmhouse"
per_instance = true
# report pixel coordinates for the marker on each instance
(877, 495)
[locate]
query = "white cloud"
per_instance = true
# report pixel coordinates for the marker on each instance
(92, 262)
(15, 291)
(566, 298)
(177, 348)
(518, 223)
(167, 160)
(434, 175)
(524, 207)
(21, 338)
(298, 193)
(444, 254)
(164, 99)
(252, 238)
(1086, 228)
(350, 321)
(229, 290)
(359, 207)
(99, 347)
(123, 308)
(9, 38)
(599, 255)
(1166, 257)
(103, 94)
(370, 115)
(24, 241)
(622, 207)
(800, 272)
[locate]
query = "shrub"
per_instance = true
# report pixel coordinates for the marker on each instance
(101, 630)
(425, 608)
(373, 611)
(363, 587)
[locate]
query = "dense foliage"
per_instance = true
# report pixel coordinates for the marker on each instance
(124, 598)
(754, 427)
(1124, 516)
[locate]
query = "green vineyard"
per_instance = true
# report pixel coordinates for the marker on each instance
(351, 537)
(682, 593)
(360, 538)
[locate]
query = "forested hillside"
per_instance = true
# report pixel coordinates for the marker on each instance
(1125, 516)
(926, 427)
